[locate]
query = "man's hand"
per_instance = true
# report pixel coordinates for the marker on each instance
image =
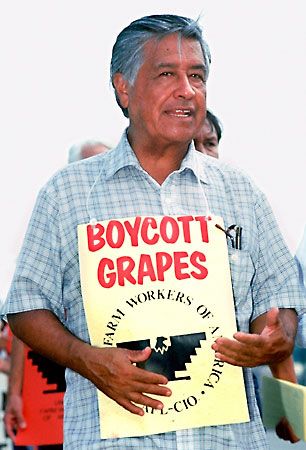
(269, 344)
(284, 431)
(113, 371)
(13, 416)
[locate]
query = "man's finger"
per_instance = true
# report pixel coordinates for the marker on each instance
(237, 353)
(137, 398)
(9, 427)
(237, 361)
(21, 423)
(144, 376)
(129, 406)
(141, 399)
(155, 389)
(273, 318)
(242, 344)
(139, 355)
(248, 339)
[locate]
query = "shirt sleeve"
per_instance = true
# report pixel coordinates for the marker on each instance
(276, 279)
(37, 282)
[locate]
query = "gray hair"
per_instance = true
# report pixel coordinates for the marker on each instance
(75, 152)
(127, 55)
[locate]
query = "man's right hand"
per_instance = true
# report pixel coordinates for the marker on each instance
(113, 372)
(13, 416)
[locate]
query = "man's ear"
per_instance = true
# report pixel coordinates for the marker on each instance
(121, 88)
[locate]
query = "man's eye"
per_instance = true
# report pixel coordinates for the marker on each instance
(197, 76)
(165, 74)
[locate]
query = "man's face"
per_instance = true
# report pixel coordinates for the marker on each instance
(206, 141)
(167, 102)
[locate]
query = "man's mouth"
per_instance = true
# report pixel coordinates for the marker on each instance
(180, 112)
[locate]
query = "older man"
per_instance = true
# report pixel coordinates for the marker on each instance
(159, 70)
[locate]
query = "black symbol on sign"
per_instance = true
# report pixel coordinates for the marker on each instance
(54, 373)
(169, 354)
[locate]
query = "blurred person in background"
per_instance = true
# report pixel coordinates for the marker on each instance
(208, 138)
(86, 150)
(13, 417)
(207, 142)
(5, 344)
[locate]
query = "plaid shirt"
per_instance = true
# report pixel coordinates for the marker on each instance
(114, 185)
(301, 258)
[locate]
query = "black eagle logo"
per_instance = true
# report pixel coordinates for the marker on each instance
(169, 354)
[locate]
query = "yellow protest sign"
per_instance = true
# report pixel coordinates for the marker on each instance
(164, 282)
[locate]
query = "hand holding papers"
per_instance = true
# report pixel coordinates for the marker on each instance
(282, 399)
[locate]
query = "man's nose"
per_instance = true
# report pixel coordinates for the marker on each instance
(184, 88)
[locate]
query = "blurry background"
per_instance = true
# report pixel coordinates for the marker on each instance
(55, 92)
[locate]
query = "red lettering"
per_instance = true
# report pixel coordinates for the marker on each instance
(125, 266)
(133, 230)
(174, 228)
(106, 280)
(145, 269)
(163, 263)
(186, 226)
(203, 224)
(194, 258)
(180, 265)
(94, 237)
(149, 222)
(115, 225)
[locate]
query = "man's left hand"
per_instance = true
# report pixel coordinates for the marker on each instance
(284, 431)
(271, 345)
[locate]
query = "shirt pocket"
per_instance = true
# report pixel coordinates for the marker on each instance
(242, 273)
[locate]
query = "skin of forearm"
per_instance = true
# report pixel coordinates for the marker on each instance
(289, 321)
(50, 338)
(282, 369)
(15, 381)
